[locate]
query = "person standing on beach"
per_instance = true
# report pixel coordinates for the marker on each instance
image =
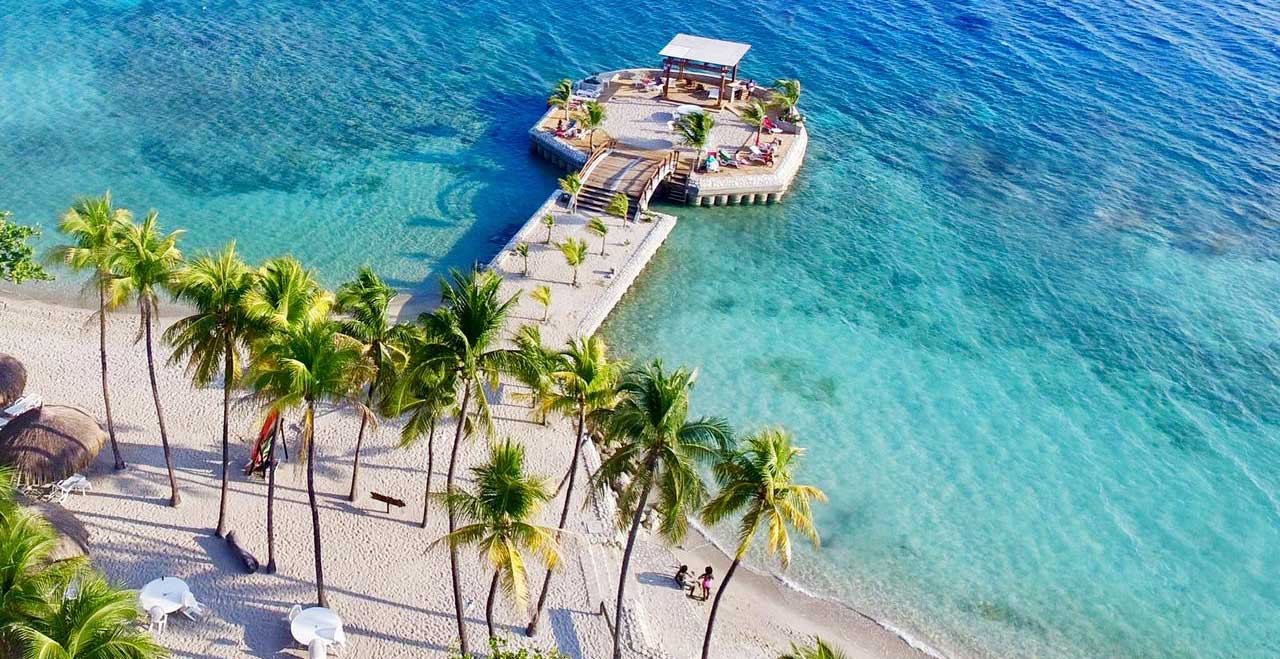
(705, 581)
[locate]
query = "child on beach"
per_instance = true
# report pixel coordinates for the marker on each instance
(705, 581)
(682, 576)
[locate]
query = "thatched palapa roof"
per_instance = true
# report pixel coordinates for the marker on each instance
(13, 380)
(73, 537)
(51, 443)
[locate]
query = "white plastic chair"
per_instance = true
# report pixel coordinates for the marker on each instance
(293, 612)
(158, 620)
(318, 649)
(191, 608)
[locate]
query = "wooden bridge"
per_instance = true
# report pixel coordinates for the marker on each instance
(636, 174)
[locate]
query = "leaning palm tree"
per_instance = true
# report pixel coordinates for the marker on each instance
(597, 227)
(548, 221)
(592, 118)
(94, 227)
(284, 296)
(364, 301)
(575, 254)
(425, 390)
(819, 650)
(499, 514)
(542, 295)
(87, 619)
(522, 250)
(534, 368)
(562, 96)
(786, 96)
(585, 384)
(216, 286)
(571, 184)
(657, 446)
(758, 481)
(695, 130)
(143, 264)
(754, 113)
(462, 337)
(311, 363)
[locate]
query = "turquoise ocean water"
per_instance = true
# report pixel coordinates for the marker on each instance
(1022, 304)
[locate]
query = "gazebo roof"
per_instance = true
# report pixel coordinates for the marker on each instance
(702, 49)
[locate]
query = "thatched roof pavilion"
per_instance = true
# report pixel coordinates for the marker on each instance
(51, 443)
(73, 537)
(13, 380)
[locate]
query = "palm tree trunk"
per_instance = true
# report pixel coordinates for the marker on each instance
(228, 363)
(174, 498)
(488, 607)
(309, 431)
(626, 555)
(564, 517)
(426, 496)
(102, 352)
(271, 496)
(575, 276)
(355, 464)
(453, 521)
(715, 606)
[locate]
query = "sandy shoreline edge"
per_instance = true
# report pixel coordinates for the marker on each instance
(793, 613)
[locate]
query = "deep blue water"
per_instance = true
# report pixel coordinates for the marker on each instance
(1021, 306)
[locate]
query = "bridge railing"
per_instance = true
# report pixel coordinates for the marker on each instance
(594, 159)
(665, 169)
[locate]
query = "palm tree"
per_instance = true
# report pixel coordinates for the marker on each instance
(786, 96)
(593, 116)
(364, 301)
(695, 130)
(285, 295)
(27, 577)
(754, 113)
(462, 337)
(94, 227)
(309, 363)
(548, 221)
(597, 227)
(658, 446)
(758, 481)
(425, 390)
(819, 650)
(535, 367)
(143, 264)
(619, 206)
(572, 184)
(499, 512)
(575, 254)
(562, 96)
(88, 620)
(216, 285)
(542, 295)
(522, 249)
(585, 384)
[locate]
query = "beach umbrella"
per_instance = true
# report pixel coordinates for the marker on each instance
(48, 444)
(73, 537)
(13, 380)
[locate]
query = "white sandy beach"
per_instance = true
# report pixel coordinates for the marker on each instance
(392, 592)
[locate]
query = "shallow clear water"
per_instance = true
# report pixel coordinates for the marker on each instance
(1021, 306)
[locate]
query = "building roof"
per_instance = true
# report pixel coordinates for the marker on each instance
(702, 49)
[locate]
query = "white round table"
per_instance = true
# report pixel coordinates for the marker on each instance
(682, 110)
(165, 594)
(317, 623)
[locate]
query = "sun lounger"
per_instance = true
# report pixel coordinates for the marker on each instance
(59, 491)
(769, 125)
(18, 408)
(725, 159)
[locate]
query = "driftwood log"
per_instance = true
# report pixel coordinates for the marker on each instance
(250, 563)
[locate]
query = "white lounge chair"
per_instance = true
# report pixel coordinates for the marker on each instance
(59, 491)
(294, 611)
(18, 408)
(713, 93)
